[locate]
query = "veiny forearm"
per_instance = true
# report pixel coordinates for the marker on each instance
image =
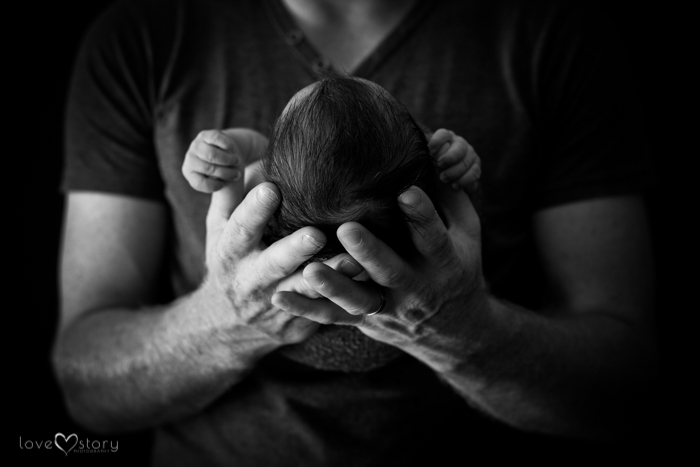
(575, 375)
(124, 369)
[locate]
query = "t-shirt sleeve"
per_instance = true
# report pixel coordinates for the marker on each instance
(108, 140)
(593, 140)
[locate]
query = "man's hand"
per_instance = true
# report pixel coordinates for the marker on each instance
(246, 272)
(425, 296)
(579, 368)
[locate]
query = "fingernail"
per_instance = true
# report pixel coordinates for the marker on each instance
(348, 268)
(236, 175)
(443, 178)
(412, 198)
(266, 195)
(352, 237)
(311, 240)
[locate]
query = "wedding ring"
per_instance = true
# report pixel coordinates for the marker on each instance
(382, 304)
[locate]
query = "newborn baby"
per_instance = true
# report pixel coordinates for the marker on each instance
(342, 150)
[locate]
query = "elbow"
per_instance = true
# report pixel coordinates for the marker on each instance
(86, 415)
(87, 404)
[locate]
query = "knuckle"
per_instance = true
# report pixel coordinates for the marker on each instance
(470, 157)
(323, 318)
(309, 293)
(443, 136)
(369, 306)
(189, 174)
(211, 155)
(397, 277)
(242, 232)
(439, 245)
(452, 154)
(460, 144)
(476, 170)
(187, 165)
(438, 138)
(368, 250)
(208, 169)
(273, 265)
(223, 141)
(200, 183)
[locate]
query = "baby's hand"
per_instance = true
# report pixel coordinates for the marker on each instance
(457, 161)
(212, 161)
(218, 157)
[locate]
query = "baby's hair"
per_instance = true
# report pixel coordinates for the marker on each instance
(344, 152)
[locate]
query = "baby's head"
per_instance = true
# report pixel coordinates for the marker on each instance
(343, 150)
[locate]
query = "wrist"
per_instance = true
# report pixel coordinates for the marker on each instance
(459, 333)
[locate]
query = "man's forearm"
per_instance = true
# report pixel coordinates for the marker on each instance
(125, 369)
(575, 375)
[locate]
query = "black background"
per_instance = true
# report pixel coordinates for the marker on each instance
(42, 39)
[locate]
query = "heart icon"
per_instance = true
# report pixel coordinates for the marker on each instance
(66, 441)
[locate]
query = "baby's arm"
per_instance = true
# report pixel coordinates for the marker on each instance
(457, 161)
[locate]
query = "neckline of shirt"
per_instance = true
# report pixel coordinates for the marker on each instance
(315, 62)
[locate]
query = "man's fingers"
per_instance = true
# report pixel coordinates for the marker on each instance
(285, 256)
(297, 284)
(355, 297)
(244, 228)
(458, 209)
(342, 263)
(428, 232)
(253, 175)
(320, 310)
(225, 200)
(381, 263)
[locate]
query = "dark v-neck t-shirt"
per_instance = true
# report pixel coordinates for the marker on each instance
(539, 89)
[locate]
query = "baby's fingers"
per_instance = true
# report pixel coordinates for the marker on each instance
(213, 154)
(440, 141)
(208, 184)
(218, 139)
(470, 180)
(458, 151)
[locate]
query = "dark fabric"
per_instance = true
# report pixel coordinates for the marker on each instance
(538, 88)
